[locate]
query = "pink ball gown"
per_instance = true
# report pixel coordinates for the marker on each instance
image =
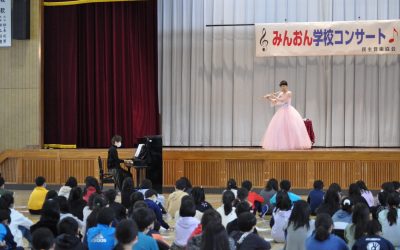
(286, 131)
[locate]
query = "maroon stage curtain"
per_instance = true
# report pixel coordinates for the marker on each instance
(100, 73)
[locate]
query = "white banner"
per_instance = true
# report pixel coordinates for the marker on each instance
(328, 38)
(5, 23)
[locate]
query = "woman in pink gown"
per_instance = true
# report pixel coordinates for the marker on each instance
(286, 131)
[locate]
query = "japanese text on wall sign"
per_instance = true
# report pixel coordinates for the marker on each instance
(5, 23)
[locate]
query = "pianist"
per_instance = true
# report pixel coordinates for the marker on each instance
(113, 161)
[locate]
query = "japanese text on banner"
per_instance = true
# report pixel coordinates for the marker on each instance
(328, 38)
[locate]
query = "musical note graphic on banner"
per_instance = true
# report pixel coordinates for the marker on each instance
(263, 41)
(391, 40)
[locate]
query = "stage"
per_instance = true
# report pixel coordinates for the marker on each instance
(212, 167)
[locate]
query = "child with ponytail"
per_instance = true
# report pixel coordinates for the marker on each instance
(322, 239)
(227, 211)
(390, 220)
(358, 227)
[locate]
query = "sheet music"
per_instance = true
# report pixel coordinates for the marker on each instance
(139, 148)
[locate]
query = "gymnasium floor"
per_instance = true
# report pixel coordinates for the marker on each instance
(21, 199)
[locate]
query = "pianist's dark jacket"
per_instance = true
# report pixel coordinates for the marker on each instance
(113, 160)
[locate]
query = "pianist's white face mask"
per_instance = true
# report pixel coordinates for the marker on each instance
(118, 144)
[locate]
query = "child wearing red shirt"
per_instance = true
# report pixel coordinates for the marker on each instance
(253, 197)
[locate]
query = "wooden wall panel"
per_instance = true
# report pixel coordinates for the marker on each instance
(295, 171)
(8, 169)
(242, 170)
(171, 172)
(32, 168)
(202, 173)
(78, 168)
(342, 172)
(374, 173)
(212, 167)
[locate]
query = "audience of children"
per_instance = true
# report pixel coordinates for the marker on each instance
(231, 226)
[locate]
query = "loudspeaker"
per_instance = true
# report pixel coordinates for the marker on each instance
(21, 16)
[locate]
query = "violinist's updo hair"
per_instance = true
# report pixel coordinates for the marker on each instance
(283, 83)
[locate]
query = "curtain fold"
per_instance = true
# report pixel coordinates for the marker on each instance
(211, 82)
(115, 62)
(61, 77)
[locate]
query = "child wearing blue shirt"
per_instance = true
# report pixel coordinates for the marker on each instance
(285, 185)
(102, 236)
(151, 199)
(144, 218)
(6, 236)
(373, 240)
(322, 239)
(316, 196)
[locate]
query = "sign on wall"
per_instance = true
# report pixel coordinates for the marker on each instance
(5, 23)
(377, 37)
